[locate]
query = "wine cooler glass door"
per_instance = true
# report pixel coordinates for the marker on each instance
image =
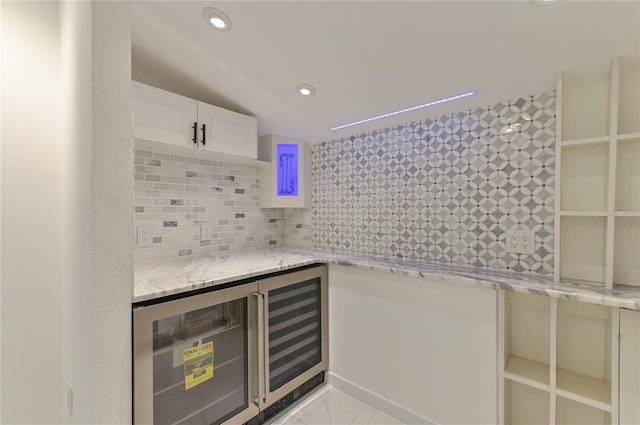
(295, 330)
(193, 359)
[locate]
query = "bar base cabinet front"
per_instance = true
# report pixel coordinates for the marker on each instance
(233, 355)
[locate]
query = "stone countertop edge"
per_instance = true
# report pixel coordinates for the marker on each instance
(165, 277)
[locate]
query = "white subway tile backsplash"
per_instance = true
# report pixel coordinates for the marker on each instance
(175, 193)
(297, 222)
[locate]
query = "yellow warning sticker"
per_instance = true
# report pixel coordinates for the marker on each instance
(198, 365)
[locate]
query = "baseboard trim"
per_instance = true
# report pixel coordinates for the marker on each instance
(387, 406)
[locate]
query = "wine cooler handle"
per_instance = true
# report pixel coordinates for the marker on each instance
(262, 391)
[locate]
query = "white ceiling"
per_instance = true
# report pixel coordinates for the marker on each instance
(367, 58)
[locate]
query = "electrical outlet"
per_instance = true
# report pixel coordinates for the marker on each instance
(206, 231)
(527, 242)
(513, 240)
(520, 241)
(145, 236)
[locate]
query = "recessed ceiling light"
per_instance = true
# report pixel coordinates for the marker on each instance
(216, 18)
(413, 108)
(305, 89)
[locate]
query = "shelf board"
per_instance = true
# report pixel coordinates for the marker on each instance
(626, 213)
(628, 136)
(584, 389)
(233, 362)
(584, 213)
(599, 213)
(583, 249)
(528, 372)
(626, 286)
(577, 142)
(179, 343)
(565, 279)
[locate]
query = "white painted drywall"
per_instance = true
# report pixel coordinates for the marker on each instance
(31, 206)
(629, 367)
(0, 216)
(76, 236)
(112, 210)
(66, 188)
(426, 345)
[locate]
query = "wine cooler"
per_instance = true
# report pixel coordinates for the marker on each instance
(234, 355)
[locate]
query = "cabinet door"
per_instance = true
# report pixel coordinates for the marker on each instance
(227, 132)
(287, 182)
(629, 367)
(161, 116)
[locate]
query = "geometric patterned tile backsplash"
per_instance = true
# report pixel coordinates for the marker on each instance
(175, 193)
(443, 190)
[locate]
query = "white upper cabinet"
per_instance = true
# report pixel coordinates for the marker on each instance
(165, 117)
(161, 116)
(228, 132)
(286, 182)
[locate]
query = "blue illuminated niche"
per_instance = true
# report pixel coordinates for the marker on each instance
(287, 178)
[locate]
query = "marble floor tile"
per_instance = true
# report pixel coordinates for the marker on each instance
(330, 406)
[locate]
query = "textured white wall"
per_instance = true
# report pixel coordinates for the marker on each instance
(0, 217)
(112, 211)
(66, 188)
(31, 208)
(76, 237)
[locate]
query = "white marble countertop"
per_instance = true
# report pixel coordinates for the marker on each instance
(160, 278)
(169, 276)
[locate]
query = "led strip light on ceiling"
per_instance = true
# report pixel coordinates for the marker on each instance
(413, 108)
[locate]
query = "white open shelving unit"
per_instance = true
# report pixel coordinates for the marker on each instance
(560, 358)
(560, 361)
(598, 177)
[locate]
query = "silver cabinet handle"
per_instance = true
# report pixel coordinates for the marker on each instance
(262, 397)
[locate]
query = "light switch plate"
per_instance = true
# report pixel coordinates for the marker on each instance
(145, 236)
(520, 241)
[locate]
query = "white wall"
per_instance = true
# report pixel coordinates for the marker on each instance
(76, 235)
(112, 210)
(629, 367)
(422, 348)
(0, 215)
(31, 208)
(66, 212)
